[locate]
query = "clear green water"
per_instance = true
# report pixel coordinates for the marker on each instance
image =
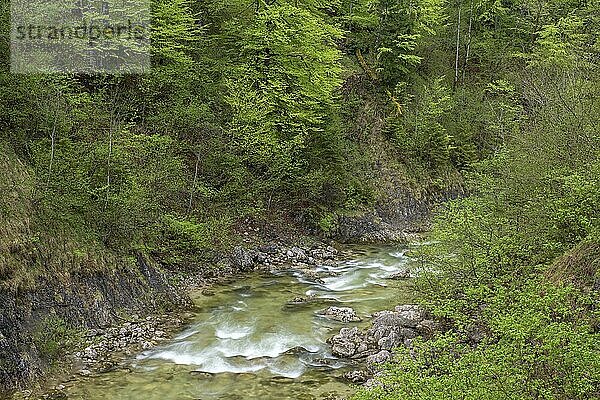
(249, 342)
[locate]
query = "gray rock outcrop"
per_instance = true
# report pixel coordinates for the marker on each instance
(390, 329)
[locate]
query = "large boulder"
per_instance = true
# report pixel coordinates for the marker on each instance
(242, 258)
(349, 343)
(408, 316)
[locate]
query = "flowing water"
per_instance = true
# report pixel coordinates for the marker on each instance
(250, 341)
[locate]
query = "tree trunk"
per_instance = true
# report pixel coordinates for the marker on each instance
(457, 49)
(468, 51)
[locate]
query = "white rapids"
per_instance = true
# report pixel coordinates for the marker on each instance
(252, 333)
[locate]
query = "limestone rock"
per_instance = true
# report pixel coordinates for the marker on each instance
(342, 314)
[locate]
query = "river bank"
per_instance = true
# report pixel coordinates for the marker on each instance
(107, 301)
(317, 289)
(106, 346)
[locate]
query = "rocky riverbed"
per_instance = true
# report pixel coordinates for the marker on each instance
(262, 335)
(107, 348)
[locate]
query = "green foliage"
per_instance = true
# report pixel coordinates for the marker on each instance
(511, 269)
(328, 223)
(538, 346)
(174, 31)
(53, 337)
(387, 33)
(182, 239)
(281, 108)
(420, 136)
(575, 213)
(257, 107)
(238, 116)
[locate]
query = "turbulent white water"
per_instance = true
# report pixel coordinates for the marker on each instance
(253, 333)
(250, 341)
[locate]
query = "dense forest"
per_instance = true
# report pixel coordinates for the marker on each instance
(299, 111)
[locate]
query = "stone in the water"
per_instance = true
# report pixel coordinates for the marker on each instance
(201, 374)
(346, 342)
(56, 395)
(299, 300)
(342, 314)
